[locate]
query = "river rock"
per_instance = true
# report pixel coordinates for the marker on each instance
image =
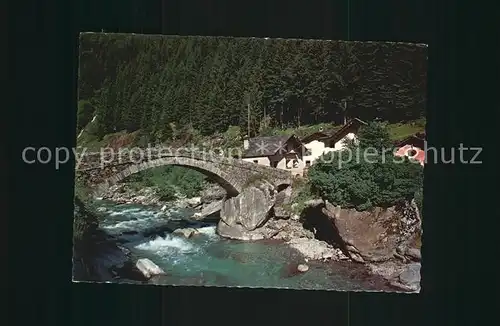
(281, 213)
(212, 193)
(209, 211)
(189, 202)
(409, 278)
(287, 230)
(411, 274)
(302, 268)
(122, 193)
(314, 203)
(414, 254)
(314, 249)
(187, 232)
(148, 268)
(389, 270)
(402, 276)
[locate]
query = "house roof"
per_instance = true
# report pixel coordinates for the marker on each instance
(333, 134)
(266, 146)
(349, 124)
(417, 139)
(317, 135)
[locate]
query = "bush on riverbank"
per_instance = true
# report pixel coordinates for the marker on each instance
(301, 194)
(361, 183)
(170, 181)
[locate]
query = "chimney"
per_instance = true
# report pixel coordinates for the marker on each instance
(246, 143)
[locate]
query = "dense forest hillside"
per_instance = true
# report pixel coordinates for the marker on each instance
(148, 83)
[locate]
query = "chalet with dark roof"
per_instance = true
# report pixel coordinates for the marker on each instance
(282, 152)
(323, 142)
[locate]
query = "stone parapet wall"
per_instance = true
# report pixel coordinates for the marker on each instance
(101, 170)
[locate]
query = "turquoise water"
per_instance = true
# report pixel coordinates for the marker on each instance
(207, 259)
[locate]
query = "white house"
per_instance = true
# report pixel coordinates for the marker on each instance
(322, 142)
(290, 153)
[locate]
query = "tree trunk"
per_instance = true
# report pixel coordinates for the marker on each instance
(344, 112)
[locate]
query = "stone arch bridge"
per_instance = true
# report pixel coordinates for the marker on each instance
(101, 170)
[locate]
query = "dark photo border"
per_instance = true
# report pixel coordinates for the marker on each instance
(42, 68)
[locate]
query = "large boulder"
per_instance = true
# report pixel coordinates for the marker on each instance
(246, 212)
(189, 202)
(375, 234)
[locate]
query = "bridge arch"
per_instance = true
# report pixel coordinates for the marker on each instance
(212, 170)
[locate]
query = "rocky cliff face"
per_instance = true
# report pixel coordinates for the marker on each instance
(387, 239)
(376, 234)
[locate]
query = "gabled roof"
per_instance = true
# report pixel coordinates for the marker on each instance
(316, 136)
(267, 146)
(349, 124)
(417, 139)
(332, 134)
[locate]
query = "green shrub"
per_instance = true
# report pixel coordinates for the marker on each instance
(374, 135)
(362, 184)
(303, 194)
(232, 137)
(167, 193)
(170, 181)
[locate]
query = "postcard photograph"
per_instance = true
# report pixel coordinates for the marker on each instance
(249, 162)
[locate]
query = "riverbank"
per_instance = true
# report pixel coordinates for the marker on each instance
(97, 255)
(206, 259)
(389, 275)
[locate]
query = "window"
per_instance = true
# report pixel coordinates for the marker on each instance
(411, 152)
(256, 161)
(295, 163)
(308, 164)
(288, 165)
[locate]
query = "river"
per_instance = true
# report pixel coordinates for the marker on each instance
(208, 259)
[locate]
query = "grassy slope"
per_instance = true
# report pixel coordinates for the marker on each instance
(397, 131)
